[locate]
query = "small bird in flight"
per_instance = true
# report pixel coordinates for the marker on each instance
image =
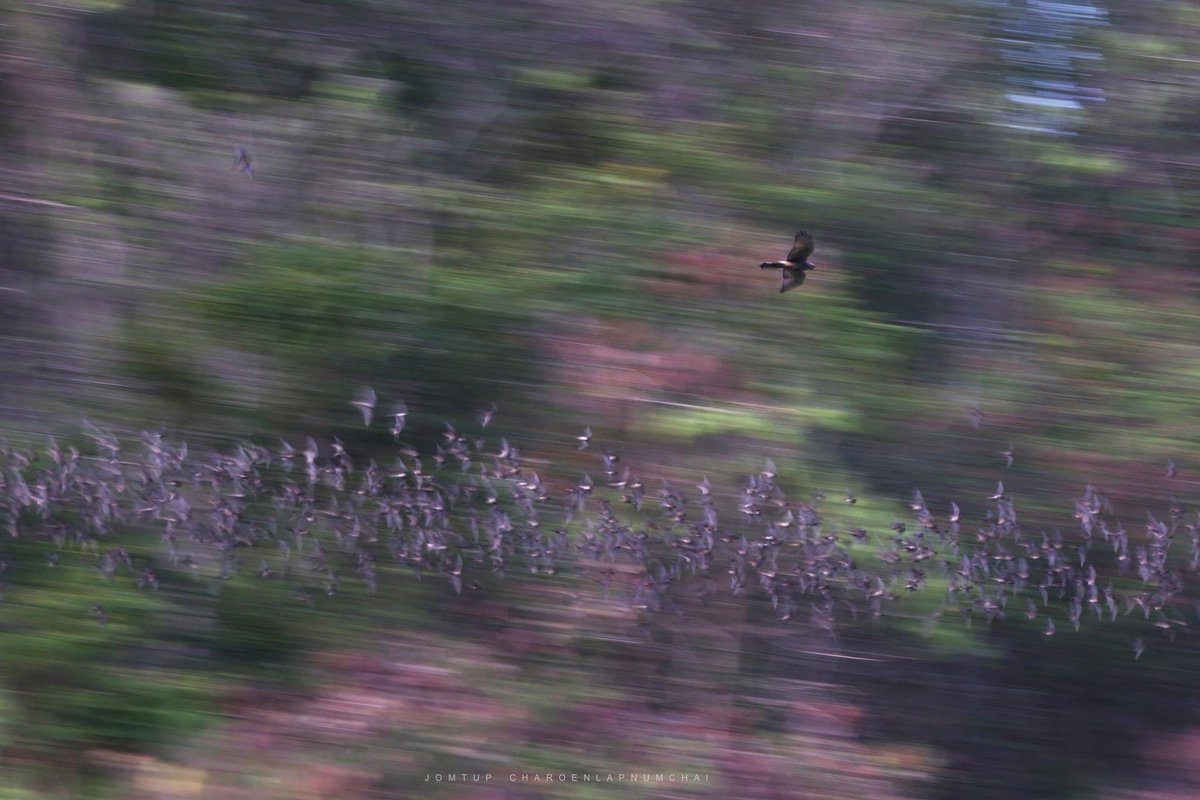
(792, 269)
(486, 415)
(399, 418)
(243, 161)
(365, 405)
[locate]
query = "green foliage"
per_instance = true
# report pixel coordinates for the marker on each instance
(338, 318)
(84, 665)
(158, 362)
(309, 300)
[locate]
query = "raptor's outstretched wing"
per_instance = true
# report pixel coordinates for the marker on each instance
(790, 279)
(802, 248)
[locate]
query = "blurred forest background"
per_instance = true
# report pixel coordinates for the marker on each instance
(559, 208)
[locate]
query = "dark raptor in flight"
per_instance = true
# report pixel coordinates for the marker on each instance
(792, 269)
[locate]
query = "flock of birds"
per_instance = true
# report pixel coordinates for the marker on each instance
(470, 506)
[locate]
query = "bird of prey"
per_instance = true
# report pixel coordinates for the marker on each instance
(792, 268)
(243, 161)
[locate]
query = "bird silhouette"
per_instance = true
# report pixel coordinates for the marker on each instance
(243, 161)
(792, 268)
(365, 403)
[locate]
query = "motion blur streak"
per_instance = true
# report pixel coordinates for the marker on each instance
(307, 305)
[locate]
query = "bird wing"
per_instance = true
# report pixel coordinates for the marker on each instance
(791, 279)
(802, 248)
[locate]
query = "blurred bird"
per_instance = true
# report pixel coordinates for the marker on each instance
(243, 161)
(399, 417)
(486, 415)
(1009, 456)
(366, 405)
(1172, 471)
(793, 267)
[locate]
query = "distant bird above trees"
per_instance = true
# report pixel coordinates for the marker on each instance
(243, 161)
(792, 268)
